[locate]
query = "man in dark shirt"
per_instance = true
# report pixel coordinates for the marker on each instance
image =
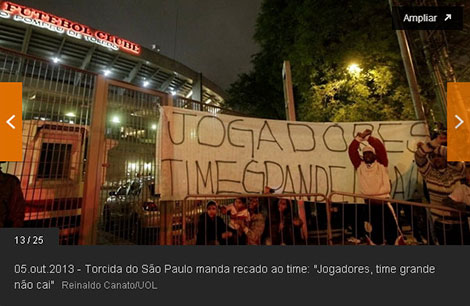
(12, 203)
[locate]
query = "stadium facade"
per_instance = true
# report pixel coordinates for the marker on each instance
(34, 32)
(90, 109)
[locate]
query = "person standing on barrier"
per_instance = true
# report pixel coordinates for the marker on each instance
(12, 204)
(374, 181)
(255, 227)
(441, 178)
(211, 229)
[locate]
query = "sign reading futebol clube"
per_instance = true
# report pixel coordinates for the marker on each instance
(53, 23)
(202, 153)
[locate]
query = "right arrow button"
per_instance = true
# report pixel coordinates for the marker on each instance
(460, 122)
(458, 132)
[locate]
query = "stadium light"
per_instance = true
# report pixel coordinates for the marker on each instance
(116, 119)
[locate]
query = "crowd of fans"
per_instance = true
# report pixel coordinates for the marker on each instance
(260, 221)
(273, 222)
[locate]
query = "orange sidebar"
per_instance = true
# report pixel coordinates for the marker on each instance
(11, 125)
(458, 122)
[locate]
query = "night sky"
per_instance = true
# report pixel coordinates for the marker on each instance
(214, 37)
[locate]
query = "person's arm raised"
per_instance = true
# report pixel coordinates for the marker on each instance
(380, 150)
(354, 153)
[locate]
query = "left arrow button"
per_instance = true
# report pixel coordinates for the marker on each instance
(9, 122)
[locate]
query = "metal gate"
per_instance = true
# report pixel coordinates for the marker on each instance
(57, 103)
(120, 205)
(88, 152)
(88, 148)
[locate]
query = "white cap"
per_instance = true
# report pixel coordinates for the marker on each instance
(368, 149)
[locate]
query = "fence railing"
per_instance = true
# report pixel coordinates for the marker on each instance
(296, 219)
(367, 219)
(57, 103)
(269, 219)
(182, 102)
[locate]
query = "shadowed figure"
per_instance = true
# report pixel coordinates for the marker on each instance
(211, 229)
(12, 204)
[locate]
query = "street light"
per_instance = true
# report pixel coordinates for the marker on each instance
(354, 69)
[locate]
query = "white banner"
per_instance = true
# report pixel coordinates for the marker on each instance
(202, 153)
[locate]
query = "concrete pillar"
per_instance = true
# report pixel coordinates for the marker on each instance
(197, 88)
(94, 172)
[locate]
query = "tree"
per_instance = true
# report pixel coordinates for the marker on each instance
(364, 96)
(320, 39)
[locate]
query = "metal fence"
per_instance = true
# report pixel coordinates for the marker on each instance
(247, 219)
(88, 152)
(372, 220)
(186, 103)
(296, 219)
(128, 208)
(57, 103)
